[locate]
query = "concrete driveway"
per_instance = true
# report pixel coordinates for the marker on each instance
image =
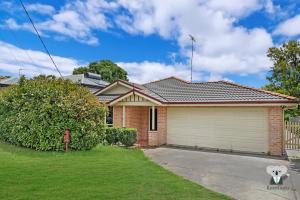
(239, 176)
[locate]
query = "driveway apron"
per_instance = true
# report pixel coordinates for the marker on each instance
(239, 176)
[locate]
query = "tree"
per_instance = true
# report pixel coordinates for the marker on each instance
(36, 112)
(285, 73)
(108, 70)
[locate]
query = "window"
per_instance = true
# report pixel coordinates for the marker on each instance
(153, 122)
(109, 117)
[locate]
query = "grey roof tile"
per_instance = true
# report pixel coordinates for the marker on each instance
(9, 81)
(175, 90)
(87, 79)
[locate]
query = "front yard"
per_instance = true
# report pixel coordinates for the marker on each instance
(102, 173)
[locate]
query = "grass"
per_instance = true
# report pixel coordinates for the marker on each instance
(102, 173)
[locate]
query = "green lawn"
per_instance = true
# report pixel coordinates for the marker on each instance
(103, 173)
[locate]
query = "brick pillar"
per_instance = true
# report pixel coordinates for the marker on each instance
(117, 116)
(153, 138)
(162, 125)
(137, 117)
(276, 131)
(159, 137)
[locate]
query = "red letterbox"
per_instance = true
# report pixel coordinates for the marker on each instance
(67, 138)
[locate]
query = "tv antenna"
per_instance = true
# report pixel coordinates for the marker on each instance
(20, 70)
(193, 40)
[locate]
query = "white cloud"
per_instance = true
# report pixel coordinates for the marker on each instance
(150, 71)
(221, 48)
(77, 19)
(40, 8)
(235, 8)
(12, 24)
(32, 62)
(270, 8)
(290, 27)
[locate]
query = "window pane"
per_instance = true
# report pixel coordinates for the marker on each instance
(109, 117)
(155, 120)
(150, 123)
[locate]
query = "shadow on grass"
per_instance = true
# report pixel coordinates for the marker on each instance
(23, 151)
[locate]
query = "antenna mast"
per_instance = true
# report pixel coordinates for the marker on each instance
(193, 40)
(20, 69)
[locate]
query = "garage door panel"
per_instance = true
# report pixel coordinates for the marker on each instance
(240, 128)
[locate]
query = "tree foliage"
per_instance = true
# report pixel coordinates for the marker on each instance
(36, 112)
(285, 73)
(108, 70)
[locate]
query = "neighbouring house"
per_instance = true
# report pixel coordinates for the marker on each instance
(92, 81)
(218, 115)
(9, 81)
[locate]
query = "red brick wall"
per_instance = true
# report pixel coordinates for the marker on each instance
(117, 116)
(275, 131)
(159, 137)
(136, 117)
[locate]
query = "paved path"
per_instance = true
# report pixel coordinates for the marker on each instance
(239, 176)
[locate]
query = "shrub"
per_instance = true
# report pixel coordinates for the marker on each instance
(36, 112)
(125, 136)
(112, 135)
(128, 136)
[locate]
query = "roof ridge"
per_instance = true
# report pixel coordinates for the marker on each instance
(133, 91)
(135, 85)
(203, 82)
(260, 90)
(179, 79)
(155, 93)
(170, 77)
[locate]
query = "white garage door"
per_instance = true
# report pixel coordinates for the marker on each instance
(236, 128)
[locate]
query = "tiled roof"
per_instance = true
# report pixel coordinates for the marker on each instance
(89, 79)
(9, 81)
(174, 90)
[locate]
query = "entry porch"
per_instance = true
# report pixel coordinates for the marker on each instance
(149, 118)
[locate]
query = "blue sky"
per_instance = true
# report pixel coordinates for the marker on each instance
(149, 38)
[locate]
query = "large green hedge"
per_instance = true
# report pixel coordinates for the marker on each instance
(35, 114)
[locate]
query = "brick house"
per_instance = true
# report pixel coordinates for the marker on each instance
(218, 115)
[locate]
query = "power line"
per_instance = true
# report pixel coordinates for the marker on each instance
(46, 49)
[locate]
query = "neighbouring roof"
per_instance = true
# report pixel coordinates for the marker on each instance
(176, 91)
(9, 81)
(92, 81)
(88, 79)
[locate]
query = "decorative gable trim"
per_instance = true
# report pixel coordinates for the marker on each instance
(138, 93)
(114, 84)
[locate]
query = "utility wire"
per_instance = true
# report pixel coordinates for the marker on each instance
(46, 49)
